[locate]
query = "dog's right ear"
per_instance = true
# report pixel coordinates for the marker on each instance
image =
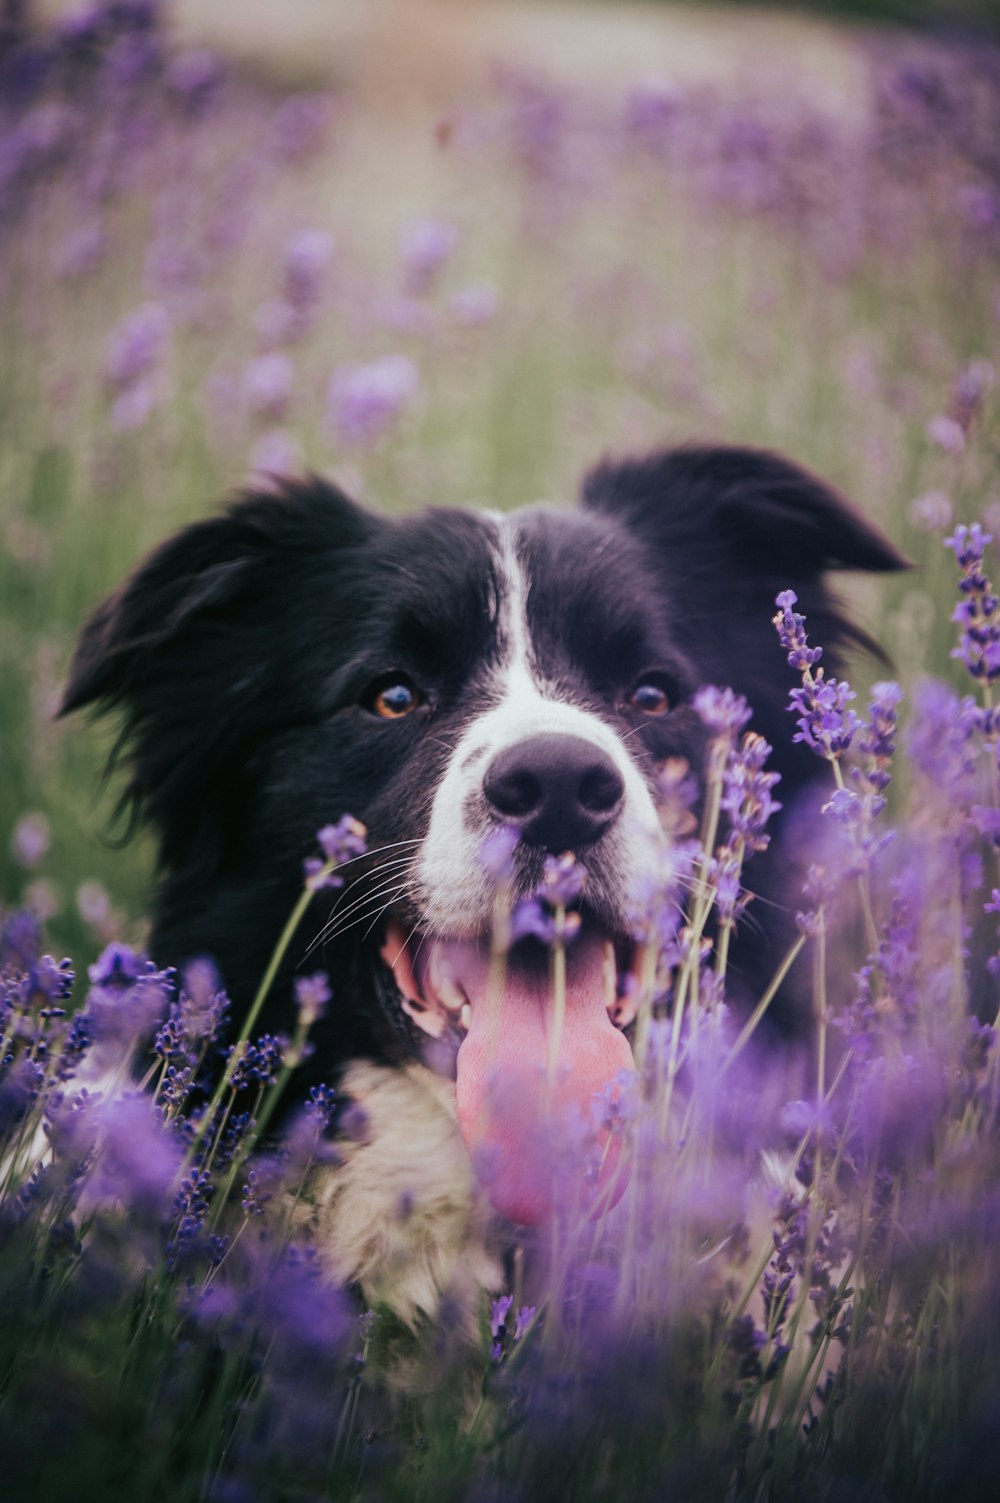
(189, 649)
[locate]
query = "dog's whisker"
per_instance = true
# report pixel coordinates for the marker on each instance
(377, 850)
(355, 914)
(334, 922)
(382, 901)
(359, 899)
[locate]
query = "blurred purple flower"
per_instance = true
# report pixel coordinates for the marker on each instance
(82, 250)
(475, 305)
(425, 245)
(535, 918)
(969, 391)
(128, 997)
(563, 879)
(136, 345)
(497, 851)
(299, 125)
(20, 940)
(946, 433)
(651, 110)
(312, 994)
(194, 76)
(267, 386)
(307, 256)
(136, 1161)
(93, 903)
(932, 511)
(134, 404)
(721, 710)
(366, 400)
(939, 740)
(31, 838)
(276, 452)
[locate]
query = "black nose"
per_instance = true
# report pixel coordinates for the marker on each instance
(561, 791)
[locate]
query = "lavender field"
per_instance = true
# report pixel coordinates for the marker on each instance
(210, 273)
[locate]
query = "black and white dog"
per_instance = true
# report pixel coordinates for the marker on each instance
(439, 676)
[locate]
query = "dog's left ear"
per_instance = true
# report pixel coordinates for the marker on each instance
(740, 525)
(770, 515)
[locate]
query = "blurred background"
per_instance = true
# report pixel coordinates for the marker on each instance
(452, 251)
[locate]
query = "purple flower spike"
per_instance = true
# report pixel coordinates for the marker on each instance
(497, 850)
(563, 880)
(366, 400)
(344, 840)
(340, 843)
(791, 634)
(426, 245)
(267, 386)
(722, 711)
(498, 1313)
(825, 723)
(978, 612)
(136, 346)
(312, 993)
(307, 256)
(533, 917)
(746, 791)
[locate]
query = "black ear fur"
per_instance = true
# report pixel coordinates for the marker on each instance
(188, 650)
(769, 512)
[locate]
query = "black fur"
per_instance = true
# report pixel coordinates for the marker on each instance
(242, 656)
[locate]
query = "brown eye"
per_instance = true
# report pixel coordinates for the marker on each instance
(394, 700)
(649, 698)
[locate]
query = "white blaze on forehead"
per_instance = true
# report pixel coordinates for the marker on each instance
(456, 894)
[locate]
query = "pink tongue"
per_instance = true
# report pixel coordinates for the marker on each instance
(530, 1130)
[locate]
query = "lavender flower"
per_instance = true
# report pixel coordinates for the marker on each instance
(259, 1062)
(267, 386)
(825, 723)
(546, 915)
(721, 710)
(474, 306)
(136, 1162)
(136, 346)
(969, 391)
(30, 839)
(791, 633)
(946, 434)
(746, 793)
(312, 994)
(497, 851)
(365, 401)
(425, 246)
(979, 612)
(128, 997)
(340, 843)
(307, 256)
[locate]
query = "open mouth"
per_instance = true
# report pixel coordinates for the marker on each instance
(533, 1060)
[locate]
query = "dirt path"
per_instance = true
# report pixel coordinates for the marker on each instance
(427, 51)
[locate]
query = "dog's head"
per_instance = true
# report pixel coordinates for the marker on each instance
(445, 677)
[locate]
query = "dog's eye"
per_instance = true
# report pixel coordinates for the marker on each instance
(393, 699)
(649, 697)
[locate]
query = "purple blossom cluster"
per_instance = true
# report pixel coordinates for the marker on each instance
(825, 721)
(547, 914)
(979, 608)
